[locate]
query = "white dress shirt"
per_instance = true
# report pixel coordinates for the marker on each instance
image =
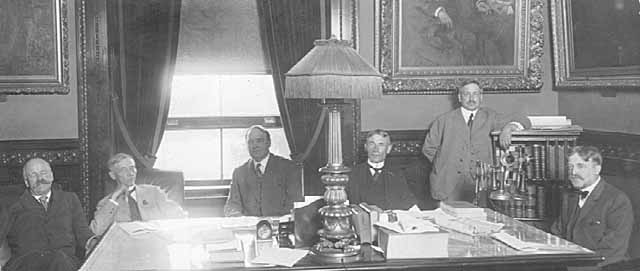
(589, 189)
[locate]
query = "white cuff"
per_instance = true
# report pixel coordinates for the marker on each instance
(117, 204)
(518, 125)
(438, 11)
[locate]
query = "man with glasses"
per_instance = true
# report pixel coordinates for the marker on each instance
(45, 226)
(460, 137)
(131, 201)
(267, 184)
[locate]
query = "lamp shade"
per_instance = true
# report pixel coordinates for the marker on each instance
(333, 69)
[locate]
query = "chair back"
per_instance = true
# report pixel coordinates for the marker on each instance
(172, 182)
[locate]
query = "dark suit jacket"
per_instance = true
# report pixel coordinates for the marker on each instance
(272, 194)
(389, 191)
(28, 228)
(452, 148)
(603, 224)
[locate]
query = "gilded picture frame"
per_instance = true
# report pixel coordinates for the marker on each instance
(34, 51)
(418, 53)
(596, 44)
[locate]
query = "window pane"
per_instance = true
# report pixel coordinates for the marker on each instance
(195, 96)
(235, 148)
(194, 152)
(223, 95)
(248, 95)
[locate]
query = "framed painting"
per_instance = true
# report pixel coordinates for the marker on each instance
(431, 46)
(596, 43)
(34, 54)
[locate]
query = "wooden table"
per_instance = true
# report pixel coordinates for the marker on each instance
(175, 247)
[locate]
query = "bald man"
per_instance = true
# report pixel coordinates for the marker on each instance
(45, 226)
(267, 184)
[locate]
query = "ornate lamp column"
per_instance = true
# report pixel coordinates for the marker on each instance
(334, 70)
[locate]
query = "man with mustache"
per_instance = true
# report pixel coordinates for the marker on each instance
(376, 181)
(131, 201)
(599, 216)
(460, 137)
(45, 226)
(267, 184)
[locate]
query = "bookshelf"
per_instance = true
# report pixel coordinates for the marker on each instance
(545, 172)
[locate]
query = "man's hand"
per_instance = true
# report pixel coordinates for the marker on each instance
(505, 135)
(444, 18)
(120, 190)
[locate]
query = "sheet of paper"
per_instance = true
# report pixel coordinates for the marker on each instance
(280, 256)
(408, 224)
(520, 245)
(138, 227)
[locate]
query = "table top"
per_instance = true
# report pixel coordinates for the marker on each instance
(183, 245)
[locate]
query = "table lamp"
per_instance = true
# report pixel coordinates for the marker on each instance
(334, 70)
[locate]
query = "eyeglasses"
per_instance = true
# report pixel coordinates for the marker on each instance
(43, 174)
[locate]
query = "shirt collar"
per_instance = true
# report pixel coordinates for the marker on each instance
(262, 162)
(466, 113)
(376, 165)
(591, 187)
(37, 197)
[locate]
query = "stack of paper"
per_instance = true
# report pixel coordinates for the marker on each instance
(463, 209)
(549, 122)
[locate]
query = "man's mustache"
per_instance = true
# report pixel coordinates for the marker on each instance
(43, 181)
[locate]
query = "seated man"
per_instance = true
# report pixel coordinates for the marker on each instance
(375, 182)
(267, 184)
(599, 217)
(45, 226)
(130, 202)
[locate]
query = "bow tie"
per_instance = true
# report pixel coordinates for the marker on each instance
(582, 194)
(376, 169)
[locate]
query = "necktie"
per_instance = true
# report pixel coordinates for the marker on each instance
(376, 172)
(470, 121)
(133, 208)
(44, 200)
(259, 170)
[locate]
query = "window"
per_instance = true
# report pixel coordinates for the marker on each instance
(208, 117)
(221, 86)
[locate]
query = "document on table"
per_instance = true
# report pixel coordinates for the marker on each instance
(530, 246)
(280, 256)
(138, 227)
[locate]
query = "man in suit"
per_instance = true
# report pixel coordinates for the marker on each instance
(131, 201)
(267, 184)
(376, 182)
(599, 216)
(460, 137)
(45, 226)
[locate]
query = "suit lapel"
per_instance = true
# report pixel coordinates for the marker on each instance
(592, 200)
(54, 202)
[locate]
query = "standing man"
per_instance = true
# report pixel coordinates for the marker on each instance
(129, 201)
(460, 137)
(598, 217)
(45, 226)
(267, 184)
(375, 182)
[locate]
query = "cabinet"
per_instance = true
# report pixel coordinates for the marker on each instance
(537, 195)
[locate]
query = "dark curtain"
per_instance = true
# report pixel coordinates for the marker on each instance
(288, 30)
(146, 35)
